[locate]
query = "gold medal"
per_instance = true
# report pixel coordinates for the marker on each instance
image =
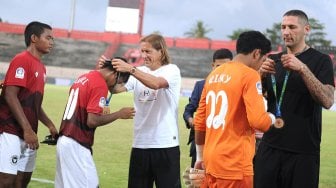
(279, 123)
(106, 109)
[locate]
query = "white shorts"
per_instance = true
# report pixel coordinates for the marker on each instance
(14, 155)
(74, 166)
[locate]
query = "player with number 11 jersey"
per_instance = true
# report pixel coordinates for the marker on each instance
(87, 95)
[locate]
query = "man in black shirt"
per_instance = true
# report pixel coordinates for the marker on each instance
(299, 82)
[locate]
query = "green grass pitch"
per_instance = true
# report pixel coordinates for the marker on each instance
(113, 143)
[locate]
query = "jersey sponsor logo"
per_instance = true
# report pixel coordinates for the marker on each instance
(14, 159)
(102, 102)
(259, 88)
(19, 73)
(147, 95)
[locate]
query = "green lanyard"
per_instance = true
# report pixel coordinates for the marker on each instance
(278, 104)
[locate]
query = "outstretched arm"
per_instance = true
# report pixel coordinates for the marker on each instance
(148, 80)
(95, 120)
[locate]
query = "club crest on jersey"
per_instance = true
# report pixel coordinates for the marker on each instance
(14, 159)
(259, 88)
(36, 74)
(19, 73)
(102, 102)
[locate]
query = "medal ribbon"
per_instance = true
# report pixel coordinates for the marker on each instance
(109, 99)
(278, 104)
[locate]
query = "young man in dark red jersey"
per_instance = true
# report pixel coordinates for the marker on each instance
(21, 107)
(84, 112)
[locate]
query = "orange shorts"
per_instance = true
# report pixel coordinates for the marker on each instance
(212, 182)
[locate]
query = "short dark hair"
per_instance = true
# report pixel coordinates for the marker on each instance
(222, 53)
(300, 14)
(122, 76)
(34, 28)
(251, 40)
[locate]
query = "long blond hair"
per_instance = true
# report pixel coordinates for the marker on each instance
(158, 43)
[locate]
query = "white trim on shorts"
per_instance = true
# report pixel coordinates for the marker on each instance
(14, 155)
(74, 165)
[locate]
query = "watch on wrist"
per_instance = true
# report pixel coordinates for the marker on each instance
(132, 71)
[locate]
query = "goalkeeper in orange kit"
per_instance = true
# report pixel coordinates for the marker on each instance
(230, 109)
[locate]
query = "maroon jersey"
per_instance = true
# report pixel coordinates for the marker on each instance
(87, 95)
(27, 72)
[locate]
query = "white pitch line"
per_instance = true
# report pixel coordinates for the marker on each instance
(42, 180)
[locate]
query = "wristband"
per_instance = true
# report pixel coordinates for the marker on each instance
(199, 152)
(272, 118)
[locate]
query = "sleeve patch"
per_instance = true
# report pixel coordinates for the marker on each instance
(102, 102)
(19, 73)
